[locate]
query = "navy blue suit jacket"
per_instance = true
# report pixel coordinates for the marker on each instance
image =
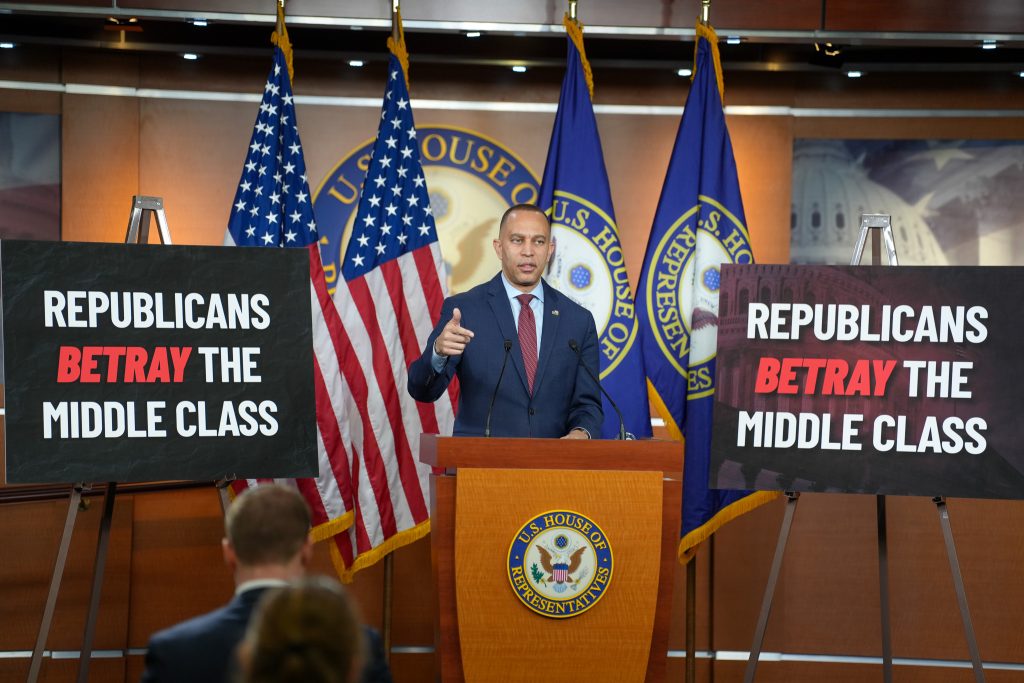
(564, 395)
(202, 650)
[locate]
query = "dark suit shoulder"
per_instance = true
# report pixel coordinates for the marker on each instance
(200, 649)
(481, 291)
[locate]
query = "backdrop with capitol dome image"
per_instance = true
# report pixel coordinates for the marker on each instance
(953, 202)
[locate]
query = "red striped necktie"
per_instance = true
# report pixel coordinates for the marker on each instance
(528, 337)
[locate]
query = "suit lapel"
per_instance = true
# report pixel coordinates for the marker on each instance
(549, 334)
(502, 310)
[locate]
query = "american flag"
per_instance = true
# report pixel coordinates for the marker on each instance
(390, 293)
(273, 208)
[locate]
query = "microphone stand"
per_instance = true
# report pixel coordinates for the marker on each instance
(494, 396)
(622, 423)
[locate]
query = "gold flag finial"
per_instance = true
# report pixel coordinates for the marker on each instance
(396, 41)
(575, 30)
(705, 31)
(280, 38)
(705, 11)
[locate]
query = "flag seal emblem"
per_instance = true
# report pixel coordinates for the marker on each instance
(589, 267)
(682, 294)
(560, 564)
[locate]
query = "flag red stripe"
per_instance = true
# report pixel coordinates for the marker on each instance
(327, 423)
(358, 532)
(382, 371)
(307, 487)
(356, 379)
(407, 470)
(392, 275)
(434, 294)
(427, 268)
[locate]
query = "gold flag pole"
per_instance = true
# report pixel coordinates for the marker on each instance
(691, 566)
(572, 12)
(396, 21)
(396, 43)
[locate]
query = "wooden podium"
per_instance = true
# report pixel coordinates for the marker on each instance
(482, 493)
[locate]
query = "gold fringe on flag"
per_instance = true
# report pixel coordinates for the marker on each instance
(397, 47)
(705, 31)
(575, 31)
(280, 38)
(363, 560)
(688, 544)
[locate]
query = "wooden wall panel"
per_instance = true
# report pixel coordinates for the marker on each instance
(101, 670)
(177, 567)
(992, 16)
(802, 14)
(100, 166)
(31, 533)
(941, 16)
(191, 154)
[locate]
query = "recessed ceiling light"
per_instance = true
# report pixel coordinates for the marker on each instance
(191, 56)
(733, 40)
(1021, 74)
(199, 22)
(356, 62)
(6, 46)
(854, 74)
(685, 72)
(472, 34)
(519, 69)
(989, 45)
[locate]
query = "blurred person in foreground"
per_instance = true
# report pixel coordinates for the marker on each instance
(307, 632)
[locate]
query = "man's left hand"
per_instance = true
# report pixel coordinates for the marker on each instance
(576, 434)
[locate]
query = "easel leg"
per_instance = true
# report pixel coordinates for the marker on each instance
(769, 589)
(102, 543)
(883, 589)
(224, 495)
(958, 584)
(58, 572)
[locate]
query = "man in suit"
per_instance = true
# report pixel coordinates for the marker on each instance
(516, 320)
(267, 545)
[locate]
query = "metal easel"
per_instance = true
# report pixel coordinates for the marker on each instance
(138, 233)
(880, 226)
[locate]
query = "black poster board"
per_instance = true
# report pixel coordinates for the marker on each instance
(154, 362)
(906, 381)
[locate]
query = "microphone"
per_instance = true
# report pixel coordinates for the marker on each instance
(622, 424)
(494, 396)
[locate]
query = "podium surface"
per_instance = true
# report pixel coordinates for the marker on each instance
(497, 623)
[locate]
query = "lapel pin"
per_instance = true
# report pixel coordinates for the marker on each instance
(554, 312)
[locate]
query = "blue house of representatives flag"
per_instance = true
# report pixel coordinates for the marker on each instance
(588, 264)
(699, 225)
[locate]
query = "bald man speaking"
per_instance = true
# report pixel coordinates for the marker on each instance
(517, 341)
